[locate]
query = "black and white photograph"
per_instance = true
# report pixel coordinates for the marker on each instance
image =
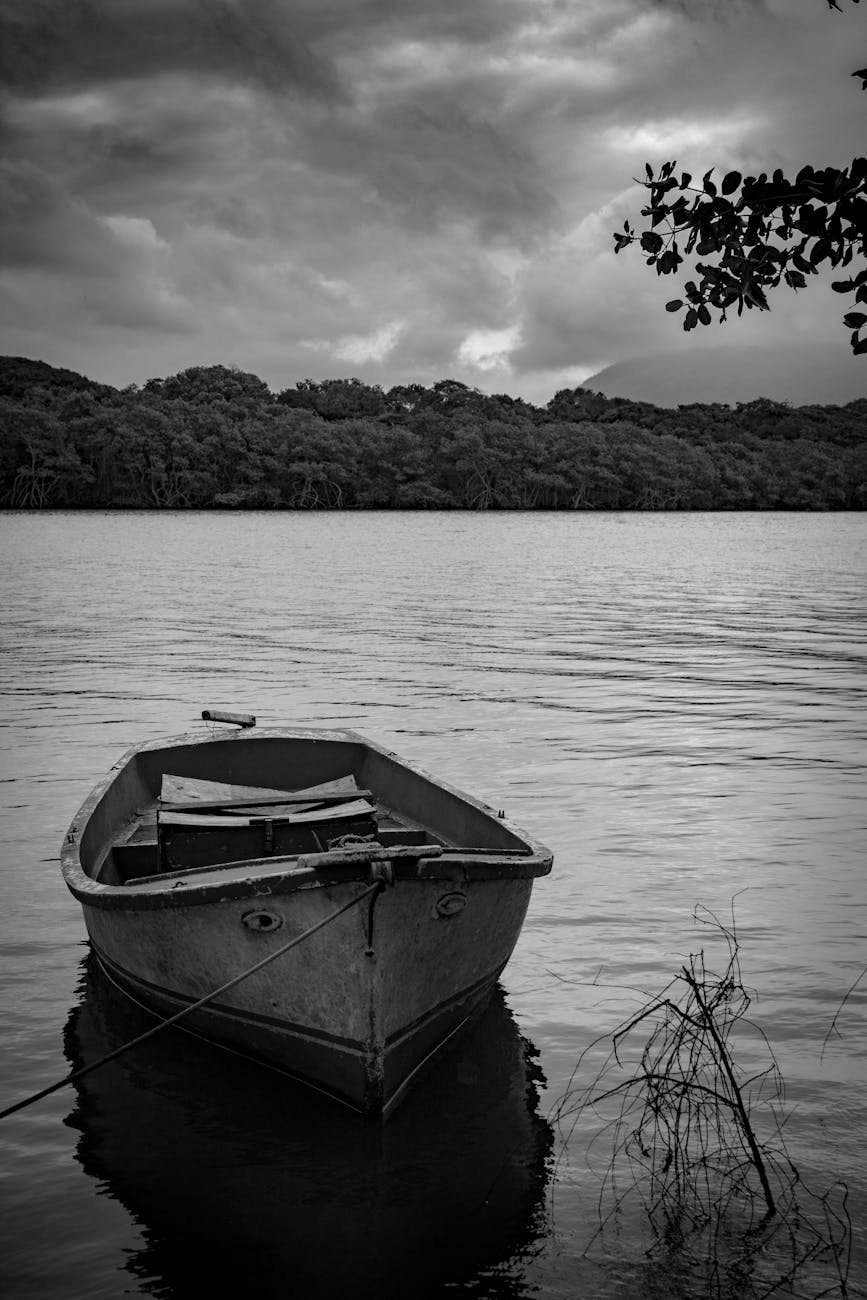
(433, 745)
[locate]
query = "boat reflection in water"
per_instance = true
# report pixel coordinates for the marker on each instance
(242, 1180)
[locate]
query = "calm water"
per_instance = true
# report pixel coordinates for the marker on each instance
(675, 704)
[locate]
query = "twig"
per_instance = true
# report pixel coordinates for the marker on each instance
(833, 1024)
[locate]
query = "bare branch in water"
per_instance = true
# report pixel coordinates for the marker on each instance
(699, 1143)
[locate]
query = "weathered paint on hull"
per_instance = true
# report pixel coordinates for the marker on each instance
(353, 1019)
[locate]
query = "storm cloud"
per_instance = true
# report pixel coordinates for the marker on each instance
(397, 189)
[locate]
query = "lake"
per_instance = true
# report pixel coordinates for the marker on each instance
(675, 704)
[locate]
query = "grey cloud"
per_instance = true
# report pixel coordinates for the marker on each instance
(50, 45)
(466, 290)
(81, 310)
(430, 161)
(423, 155)
(716, 9)
(42, 226)
(345, 22)
(136, 306)
(63, 260)
(172, 153)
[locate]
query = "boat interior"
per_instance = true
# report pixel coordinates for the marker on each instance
(201, 825)
(220, 805)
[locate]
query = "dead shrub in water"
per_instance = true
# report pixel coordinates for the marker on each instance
(727, 1209)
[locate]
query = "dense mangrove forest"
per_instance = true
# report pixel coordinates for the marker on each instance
(217, 437)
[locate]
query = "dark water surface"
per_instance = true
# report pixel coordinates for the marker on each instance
(674, 703)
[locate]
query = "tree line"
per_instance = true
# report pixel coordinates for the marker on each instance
(216, 437)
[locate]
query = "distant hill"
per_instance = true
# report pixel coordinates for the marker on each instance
(20, 375)
(800, 375)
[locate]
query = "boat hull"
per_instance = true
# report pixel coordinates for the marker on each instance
(355, 1009)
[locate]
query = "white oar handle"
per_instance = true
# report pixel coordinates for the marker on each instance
(237, 719)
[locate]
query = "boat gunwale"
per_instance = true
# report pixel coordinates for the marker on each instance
(452, 865)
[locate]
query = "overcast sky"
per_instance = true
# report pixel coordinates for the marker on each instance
(401, 190)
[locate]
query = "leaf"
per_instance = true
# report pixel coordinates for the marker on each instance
(842, 286)
(730, 182)
(862, 73)
(691, 319)
(853, 320)
(859, 346)
(651, 242)
(754, 297)
(674, 305)
(704, 315)
(649, 170)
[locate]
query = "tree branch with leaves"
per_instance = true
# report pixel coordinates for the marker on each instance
(752, 234)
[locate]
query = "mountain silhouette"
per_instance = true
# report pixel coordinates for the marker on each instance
(799, 374)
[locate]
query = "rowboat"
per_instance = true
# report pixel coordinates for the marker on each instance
(302, 897)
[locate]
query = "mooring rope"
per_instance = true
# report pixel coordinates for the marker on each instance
(194, 1006)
